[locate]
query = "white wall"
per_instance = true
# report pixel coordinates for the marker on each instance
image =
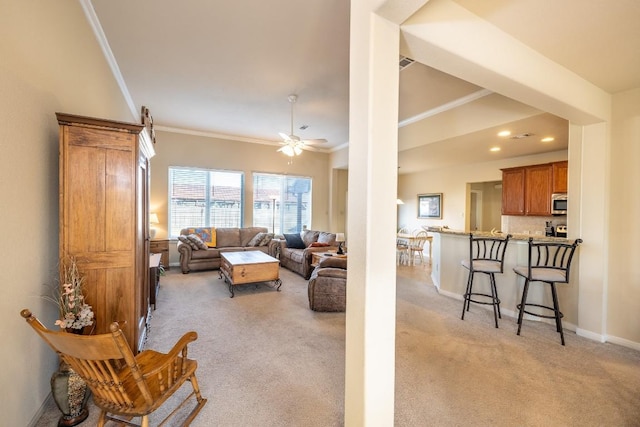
(452, 183)
(50, 62)
(624, 237)
(338, 164)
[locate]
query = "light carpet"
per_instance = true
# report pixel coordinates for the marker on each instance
(265, 359)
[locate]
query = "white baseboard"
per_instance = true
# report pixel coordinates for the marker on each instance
(41, 410)
(591, 335)
(449, 294)
(623, 342)
(566, 325)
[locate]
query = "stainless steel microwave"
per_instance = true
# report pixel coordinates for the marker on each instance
(559, 204)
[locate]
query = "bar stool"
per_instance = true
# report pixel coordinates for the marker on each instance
(550, 263)
(486, 255)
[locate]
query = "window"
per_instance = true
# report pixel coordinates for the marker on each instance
(281, 203)
(204, 198)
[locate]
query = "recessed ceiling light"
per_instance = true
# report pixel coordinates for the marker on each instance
(547, 139)
(504, 133)
(494, 149)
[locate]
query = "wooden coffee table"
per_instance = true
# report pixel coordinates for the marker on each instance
(240, 268)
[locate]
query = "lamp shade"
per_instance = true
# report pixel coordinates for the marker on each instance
(339, 237)
(153, 218)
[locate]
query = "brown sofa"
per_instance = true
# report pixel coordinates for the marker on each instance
(328, 285)
(298, 259)
(198, 255)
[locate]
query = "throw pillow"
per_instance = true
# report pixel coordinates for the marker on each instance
(318, 245)
(255, 240)
(197, 241)
(185, 239)
(329, 238)
(309, 236)
(294, 241)
(267, 238)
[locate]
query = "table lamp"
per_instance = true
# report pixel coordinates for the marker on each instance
(153, 219)
(340, 240)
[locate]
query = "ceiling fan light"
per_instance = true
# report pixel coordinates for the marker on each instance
(297, 150)
(288, 150)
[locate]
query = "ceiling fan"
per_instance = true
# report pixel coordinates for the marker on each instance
(292, 145)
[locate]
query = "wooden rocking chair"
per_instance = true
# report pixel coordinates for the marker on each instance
(124, 385)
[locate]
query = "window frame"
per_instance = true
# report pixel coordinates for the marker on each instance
(207, 202)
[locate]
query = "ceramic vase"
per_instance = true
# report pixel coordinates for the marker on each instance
(71, 395)
(70, 392)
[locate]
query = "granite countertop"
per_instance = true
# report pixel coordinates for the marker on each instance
(514, 236)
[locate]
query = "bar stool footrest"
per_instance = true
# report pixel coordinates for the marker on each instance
(538, 314)
(468, 297)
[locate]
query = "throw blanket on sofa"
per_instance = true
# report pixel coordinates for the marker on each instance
(207, 234)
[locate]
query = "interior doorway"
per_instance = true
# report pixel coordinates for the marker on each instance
(475, 216)
(484, 205)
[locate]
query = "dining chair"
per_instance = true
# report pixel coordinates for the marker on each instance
(416, 247)
(402, 251)
(402, 246)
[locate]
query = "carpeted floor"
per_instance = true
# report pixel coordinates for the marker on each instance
(265, 359)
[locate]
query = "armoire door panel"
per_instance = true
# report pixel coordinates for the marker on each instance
(85, 189)
(120, 201)
(120, 297)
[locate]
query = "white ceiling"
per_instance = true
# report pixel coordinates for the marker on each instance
(227, 67)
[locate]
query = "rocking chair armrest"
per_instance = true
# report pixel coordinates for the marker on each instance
(180, 348)
(181, 345)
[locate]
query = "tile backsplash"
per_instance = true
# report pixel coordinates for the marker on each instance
(529, 224)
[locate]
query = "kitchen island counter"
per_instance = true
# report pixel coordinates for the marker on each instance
(514, 236)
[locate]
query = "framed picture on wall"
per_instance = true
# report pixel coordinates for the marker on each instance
(430, 205)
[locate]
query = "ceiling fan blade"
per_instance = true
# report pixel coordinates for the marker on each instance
(284, 136)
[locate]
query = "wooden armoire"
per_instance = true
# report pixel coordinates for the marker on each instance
(104, 211)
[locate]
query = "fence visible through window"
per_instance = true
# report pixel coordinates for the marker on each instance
(282, 203)
(204, 198)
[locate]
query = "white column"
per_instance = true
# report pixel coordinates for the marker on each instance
(588, 219)
(371, 293)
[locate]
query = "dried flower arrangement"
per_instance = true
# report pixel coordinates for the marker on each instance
(75, 313)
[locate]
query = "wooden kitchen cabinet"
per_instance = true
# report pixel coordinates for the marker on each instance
(560, 177)
(513, 191)
(104, 211)
(537, 190)
(527, 190)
